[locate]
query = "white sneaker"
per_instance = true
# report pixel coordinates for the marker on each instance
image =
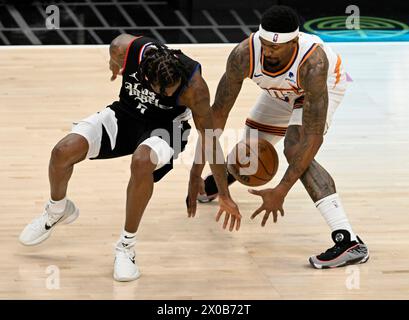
(125, 267)
(40, 228)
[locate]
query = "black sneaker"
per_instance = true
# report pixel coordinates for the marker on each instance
(344, 252)
(211, 188)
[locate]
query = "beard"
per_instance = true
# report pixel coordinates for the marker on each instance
(272, 62)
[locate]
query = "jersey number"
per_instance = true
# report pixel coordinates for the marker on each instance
(142, 108)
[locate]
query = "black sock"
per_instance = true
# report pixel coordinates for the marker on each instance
(211, 186)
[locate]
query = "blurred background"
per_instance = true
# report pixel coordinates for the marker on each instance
(192, 21)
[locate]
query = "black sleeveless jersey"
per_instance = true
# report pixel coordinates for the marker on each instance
(143, 103)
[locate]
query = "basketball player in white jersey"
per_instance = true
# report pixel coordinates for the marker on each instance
(302, 82)
(161, 89)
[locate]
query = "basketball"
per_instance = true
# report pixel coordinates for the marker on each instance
(253, 162)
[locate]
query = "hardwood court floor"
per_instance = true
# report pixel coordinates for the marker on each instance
(43, 90)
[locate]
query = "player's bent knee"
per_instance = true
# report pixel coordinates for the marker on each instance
(142, 163)
(160, 151)
(70, 150)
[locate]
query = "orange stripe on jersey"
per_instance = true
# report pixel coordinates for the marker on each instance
(251, 49)
(277, 131)
(308, 54)
(282, 71)
(310, 51)
(338, 70)
(127, 51)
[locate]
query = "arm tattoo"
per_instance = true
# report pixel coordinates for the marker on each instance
(228, 89)
(314, 82)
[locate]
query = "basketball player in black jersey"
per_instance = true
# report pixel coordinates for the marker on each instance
(160, 89)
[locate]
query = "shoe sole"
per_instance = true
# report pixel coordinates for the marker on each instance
(72, 217)
(207, 199)
(123, 279)
(343, 264)
(46, 235)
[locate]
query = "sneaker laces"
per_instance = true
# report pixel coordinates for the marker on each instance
(46, 218)
(334, 250)
(126, 251)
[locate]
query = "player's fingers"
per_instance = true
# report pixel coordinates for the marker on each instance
(255, 213)
(226, 220)
(192, 205)
(113, 77)
(219, 214)
(281, 211)
(187, 206)
(275, 215)
(193, 202)
(265, 218)
(238, 223)
(232, 222)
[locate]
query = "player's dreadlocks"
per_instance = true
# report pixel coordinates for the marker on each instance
(161, 66)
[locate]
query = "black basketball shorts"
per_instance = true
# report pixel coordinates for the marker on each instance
(113, 133)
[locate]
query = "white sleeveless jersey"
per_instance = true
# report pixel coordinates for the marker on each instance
(285, 84)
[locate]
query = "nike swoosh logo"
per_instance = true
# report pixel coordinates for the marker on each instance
(258, 75)
(126, 237)
(47, 227)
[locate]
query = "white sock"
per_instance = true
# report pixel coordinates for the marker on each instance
(333, 212)
(128, 238)
(58, 206)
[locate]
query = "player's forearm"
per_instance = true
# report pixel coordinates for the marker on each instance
(199, 162)
(220, 176)
(219, 119)
(211, 148)
(215, 156)
(303, 154)
(226, 95)
(208, 149)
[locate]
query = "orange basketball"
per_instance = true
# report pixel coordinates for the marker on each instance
(253, 162)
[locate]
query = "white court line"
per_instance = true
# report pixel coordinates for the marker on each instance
(210, 45)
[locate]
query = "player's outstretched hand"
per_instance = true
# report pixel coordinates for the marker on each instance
(231, 209)
(273, 200)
